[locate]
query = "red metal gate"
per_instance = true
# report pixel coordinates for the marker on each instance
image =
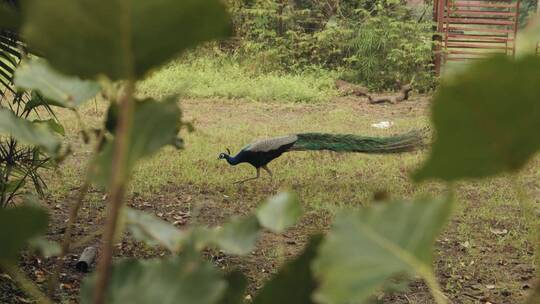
(474, 29)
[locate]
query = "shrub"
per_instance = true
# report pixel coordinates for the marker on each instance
(377, 43)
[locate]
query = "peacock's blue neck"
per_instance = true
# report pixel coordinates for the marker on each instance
(232, 160)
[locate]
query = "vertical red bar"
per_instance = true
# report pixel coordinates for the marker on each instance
(438, 14)
(515, 29)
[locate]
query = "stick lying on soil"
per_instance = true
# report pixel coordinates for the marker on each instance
(347, 88)
(393, 99)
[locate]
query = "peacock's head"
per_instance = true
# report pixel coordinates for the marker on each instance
(224, 155)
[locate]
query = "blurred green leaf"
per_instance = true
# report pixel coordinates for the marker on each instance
(239, 235)
(365, 248)
(13, 185)
(153, 230)
(280, 212)
(39, 101)
(17, 226)
(155, 124)
(52, 124)
(71, 92)
(294, 282)
(45, 247)
(236, 286)
(118, 38)
(9, 18)
(486, 120)
(28, 132)
(179, 279)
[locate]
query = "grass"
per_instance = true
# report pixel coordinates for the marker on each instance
(469, 255)
(215, 77)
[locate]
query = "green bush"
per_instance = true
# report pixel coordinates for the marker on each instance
(386, 51)
(377, 43)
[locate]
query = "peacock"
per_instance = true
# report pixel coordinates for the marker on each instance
(261, 152)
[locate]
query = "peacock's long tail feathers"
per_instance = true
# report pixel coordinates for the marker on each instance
(356, 143)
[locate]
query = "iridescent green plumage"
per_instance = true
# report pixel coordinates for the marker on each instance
(357, 143)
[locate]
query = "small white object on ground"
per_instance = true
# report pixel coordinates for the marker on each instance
(383, 125)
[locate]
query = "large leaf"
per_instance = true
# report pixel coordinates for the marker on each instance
(36, 74)
(155, 124)
(486, 120)
(120, 38)
(280, 212)
(152, 230)
(45, 247)
(9, 17)
(366, 247)
(17, 226)
(52, 124)
(27, 132)
(235, 237)
(239, 235)
(236, 285)
(36, 100)
(180, 279)
(295, 282)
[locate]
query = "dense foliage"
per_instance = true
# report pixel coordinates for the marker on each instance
(379, 43)
(20, 164)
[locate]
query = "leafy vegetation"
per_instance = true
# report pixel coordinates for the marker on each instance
(377, 43)
(295, 50)
(20, 162)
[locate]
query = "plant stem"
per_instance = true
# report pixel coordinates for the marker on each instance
(116, 190)
(27, 285)
(73, 214)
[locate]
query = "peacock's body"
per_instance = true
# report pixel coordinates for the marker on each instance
(261, 152)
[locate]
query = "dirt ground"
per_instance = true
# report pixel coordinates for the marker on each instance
(482, 256)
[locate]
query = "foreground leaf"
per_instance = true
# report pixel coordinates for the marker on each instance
(27, 132)
(280, 212)
(9, 17)
(52, 124)
(236, 286)
(239, 235)
(17, 226)
(68, 91)
(45, 247)
(155, 124)
(235, 237)
(180, 279)
(152, 230)
(486, 120)
(39, 101)
(118, 38)
(367, 247)
(295, 282)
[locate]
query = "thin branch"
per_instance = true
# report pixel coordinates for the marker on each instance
(117, 190)
(26, 284)
(73, 214)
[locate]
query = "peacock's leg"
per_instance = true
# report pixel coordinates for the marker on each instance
(269, 172)
(251, 178)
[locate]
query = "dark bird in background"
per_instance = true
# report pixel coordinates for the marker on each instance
(260, 153)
